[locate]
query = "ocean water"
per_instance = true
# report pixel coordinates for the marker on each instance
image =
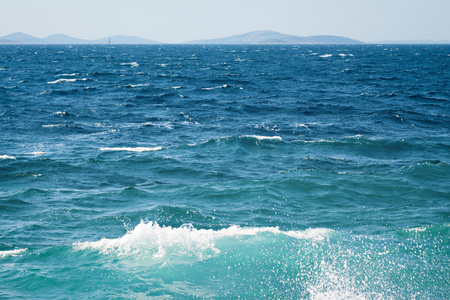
(225, 172)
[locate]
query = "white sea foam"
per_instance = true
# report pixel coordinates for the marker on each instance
(301, 125)
(260, 137)
(36, 153)
(54, 125)
(131, 64)
(167, 125)
(217, 87)
(62, 80)
(326, 55)
(257, 137)
(150, 239)
(7, 157)
(356, 136)
(138, 85)
(130, 149)
(73, 74)
(15, 252)
(60, 113)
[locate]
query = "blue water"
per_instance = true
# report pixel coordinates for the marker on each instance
(225, 172)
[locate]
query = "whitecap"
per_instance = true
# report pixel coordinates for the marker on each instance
(260, 137)
(326, 55)
(167, 125)
(356, 136)
(7, 157)
(217, 87)
(138, 85)
(301, 125)
(130, 149)
(15, 252)
(73, 74)
(60, 113)
(36, 153)
(150, 239)
(54, 125)
(131, 64)
(62, 80)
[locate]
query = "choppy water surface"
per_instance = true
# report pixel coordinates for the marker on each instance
(179, 172)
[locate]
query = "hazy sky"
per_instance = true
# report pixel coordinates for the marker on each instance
(184, 20)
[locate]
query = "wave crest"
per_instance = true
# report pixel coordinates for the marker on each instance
(151, 240)
(131, 149)
(261, 138)
(14, 252)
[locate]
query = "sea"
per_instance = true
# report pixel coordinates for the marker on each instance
(225, 172)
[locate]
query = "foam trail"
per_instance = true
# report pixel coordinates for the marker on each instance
(156, 241)
(54, 125)
(130, 149)
(7, 157)
(260, 137)
(139, 85)
(15, 252)
(61, 81)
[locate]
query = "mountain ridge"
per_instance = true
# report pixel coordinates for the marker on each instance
(64, 39)
(273, 37)
(253, 37)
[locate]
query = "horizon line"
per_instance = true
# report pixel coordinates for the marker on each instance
(155, 42)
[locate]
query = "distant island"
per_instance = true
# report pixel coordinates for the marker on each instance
(63, 39)
(254, 37)
(273, 37)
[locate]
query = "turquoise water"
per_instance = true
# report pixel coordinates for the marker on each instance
(224, 172)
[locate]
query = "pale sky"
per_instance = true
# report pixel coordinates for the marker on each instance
(176, 21)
